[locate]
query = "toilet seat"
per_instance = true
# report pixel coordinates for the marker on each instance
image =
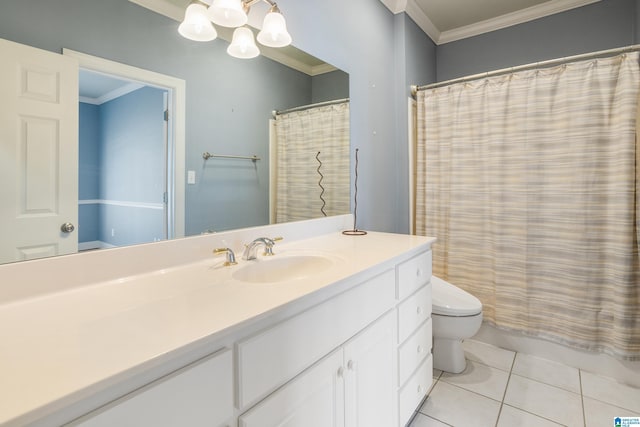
(449, 300)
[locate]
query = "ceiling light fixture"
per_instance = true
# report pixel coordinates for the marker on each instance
(198, 19)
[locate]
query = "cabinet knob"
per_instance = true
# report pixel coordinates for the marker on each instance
(419, 349)
(418, 310)
(418, 272)
(340, 372)
(351, 365)
(419, 389)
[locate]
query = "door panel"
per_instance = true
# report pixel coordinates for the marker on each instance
(39, 152)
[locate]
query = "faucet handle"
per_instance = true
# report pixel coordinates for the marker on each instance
(231, 257)
(268, 249)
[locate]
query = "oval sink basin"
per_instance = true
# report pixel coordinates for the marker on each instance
(281, 269)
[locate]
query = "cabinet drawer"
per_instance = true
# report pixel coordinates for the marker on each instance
(269, 359)
(413, 273)
(200, 394)
(414, 351)
(415, 390)
(413, 311)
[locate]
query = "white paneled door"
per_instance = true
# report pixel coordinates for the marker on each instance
(38, 153)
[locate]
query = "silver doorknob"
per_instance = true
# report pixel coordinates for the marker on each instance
(67, 227)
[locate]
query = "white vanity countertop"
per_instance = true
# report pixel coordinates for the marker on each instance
(58, 347)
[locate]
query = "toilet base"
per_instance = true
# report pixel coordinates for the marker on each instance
(448, 355)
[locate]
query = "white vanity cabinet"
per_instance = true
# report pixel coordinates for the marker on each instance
(361, 358)
(351, 387)
(415, 362)
(377, 378)
(346, 347)
(361, 370)
(200, 394)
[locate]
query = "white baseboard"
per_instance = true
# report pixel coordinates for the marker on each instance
(623, 371)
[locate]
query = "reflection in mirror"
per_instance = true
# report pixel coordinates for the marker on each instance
(229, 105)
(310, 154)
(123, 158)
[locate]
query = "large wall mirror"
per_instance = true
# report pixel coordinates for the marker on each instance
(230, 111)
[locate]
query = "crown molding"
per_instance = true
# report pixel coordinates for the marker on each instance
(411, 8)
(422, 20)
(395, 6)
(110, 96)
(510, 19)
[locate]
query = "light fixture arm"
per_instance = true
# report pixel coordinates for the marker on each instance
(246, 4)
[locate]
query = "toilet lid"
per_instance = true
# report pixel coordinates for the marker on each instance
(452, 301)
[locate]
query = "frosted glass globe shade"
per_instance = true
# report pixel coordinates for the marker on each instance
(243, 45)
(227, 13)
(196, 25)
(274, 31)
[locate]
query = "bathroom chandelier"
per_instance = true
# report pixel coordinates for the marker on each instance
(199, 19)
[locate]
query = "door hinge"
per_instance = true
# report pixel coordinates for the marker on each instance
(165, 197)
(166, 115)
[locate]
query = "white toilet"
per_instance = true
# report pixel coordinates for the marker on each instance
(456, 315)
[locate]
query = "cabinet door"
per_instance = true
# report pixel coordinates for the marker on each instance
(313, 399)
(200, 394)
(371, 375)
(275, 356)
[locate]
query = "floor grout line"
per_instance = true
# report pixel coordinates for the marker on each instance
(579, 393)
(584, 414)
(504, 394)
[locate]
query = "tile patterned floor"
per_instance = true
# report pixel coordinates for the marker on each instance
(502, 388)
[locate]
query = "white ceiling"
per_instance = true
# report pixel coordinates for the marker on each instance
(449, 20)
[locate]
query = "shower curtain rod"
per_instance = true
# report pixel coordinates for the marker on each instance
(305, 107)
(533, 65)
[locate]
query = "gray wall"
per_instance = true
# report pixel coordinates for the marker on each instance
(329, 86)
(415, 53)
(598, 26)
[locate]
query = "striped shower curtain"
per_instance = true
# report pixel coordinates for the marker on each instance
(530, 183)
(307, 184)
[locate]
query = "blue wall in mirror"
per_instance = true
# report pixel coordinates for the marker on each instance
(121, 170)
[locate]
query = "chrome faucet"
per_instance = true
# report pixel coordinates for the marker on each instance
(250, 250)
